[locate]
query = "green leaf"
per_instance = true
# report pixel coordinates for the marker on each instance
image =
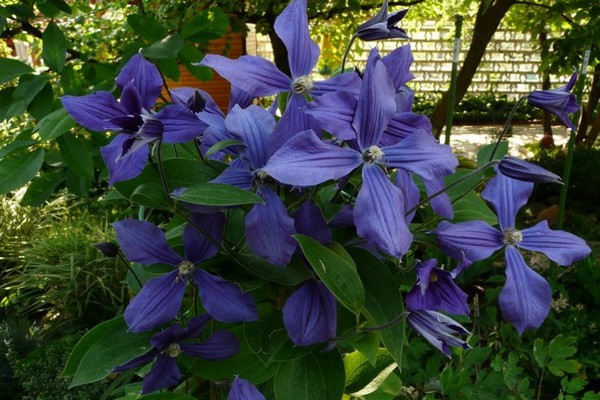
(363, 377)
(318, 375)
(169, 67)
(367, 343)
(147, 27)
(335, 272)
(206, 25)
(43, 103)
(11, 69)
(22, 96)
(42, 187)
(217, 194)
(199, 72)
(55, 124)
(475, 356)
(76, 155)
(104, 347)
(16, 171)
(151, 195)
(473, 207)
(61, 5)
(54, 50)
(167, 47)
(168, 396)
(78, 185)
(574, 385)
(539, 352)
(292, 275)
(383, 301)
(15, 145)
(485, 152)
(223, 144)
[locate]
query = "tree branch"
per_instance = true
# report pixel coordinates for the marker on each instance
(531, 3)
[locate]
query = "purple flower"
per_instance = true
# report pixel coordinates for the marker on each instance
(438, 329)
(160, 299)
(132, 116)
(305, 160)
(310, 314)
(559, 101)
(526, 296)
(174, 340)
(436, 290)
(260, 77)
(383, 25)
(525, 171)
(242, 389)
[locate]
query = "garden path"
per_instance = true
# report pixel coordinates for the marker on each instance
(467, 139)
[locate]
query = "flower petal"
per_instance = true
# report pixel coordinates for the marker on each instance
(310, 314)
(441, 203)
(305, 160)
(349, 82)
(506, 196)
(402, 125)
(137, 361)
(397, 63)
(379, 213)
(525, 171)
(242, 389)
(562, 247)
(526, 296)
(292, 28)
(221, 345)
(376, 103)
(234, 176)
(94, 111)
(473, 240)
(144, 242)
(253, 126)
(250, 73)
(334, 112)
(157, 303)
(180, 125)
(123, 168)
(421, 154)
(438, 329)
(269, 230)
(308, 220)
(410, 191)
(145, 78)
(293, 121)
(224, 300)
(201, 236)
(163, 374)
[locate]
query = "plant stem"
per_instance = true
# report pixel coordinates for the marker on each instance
(352, 39)
(388, 324)
(566, 177)
(161, 173)
(137, 279)
(539, 391)
(506, 126)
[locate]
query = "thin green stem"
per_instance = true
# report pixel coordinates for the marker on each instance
(386, 325)
(566, 178)
(539, 390)
(161, 173)
(137, 279)
(352, 39)
(506, 126)
(453, 184)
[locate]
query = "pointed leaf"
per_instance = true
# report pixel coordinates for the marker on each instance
(43, 187)
(15, 171)
(11, 69)
(208, 24)
(167, 47)
(484, 153)
(76, 155)
(472, 207)
(216, 194)
(54, 50)
(337, 274)
(318, 375)
(362, 377)
(55, 124)
(147, 27)
(150, 195)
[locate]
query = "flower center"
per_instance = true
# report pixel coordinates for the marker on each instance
(372, 154)
(512, 237)
(185, 268)
(433, 277)
(303, 85)
(173, 350)
(261, 176)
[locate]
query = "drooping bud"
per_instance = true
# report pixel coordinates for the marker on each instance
(525, 171)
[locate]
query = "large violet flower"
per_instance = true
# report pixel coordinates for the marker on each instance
(160, 299)
(526, 296)
(383, 25)
(173, 341)
(132, 116)
(305, 160)
(560, 101)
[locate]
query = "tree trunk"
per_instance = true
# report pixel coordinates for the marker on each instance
(546, 116)
(588, 111)
(488, 19)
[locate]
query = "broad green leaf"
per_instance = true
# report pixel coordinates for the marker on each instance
(364, 377)
(20, 98)
(199, 72)
(15, 145)
(476, 355)
(76, 155)
(223, 144)
(317, 375)
(61, 5)
(104, 347)
(169, 67)
(335, 272)
(539, 352)
(383, 301)
(77, 184)
(54, 50)
(55, 124)
(11, 69)
(43, 103)
(473, 207)
(367, 343)
(292, 275)
(151, 195)
(16, 171)
(485, 152)
(42, 187)
(208, 24)
(147, 27)
(217, 194)
(167, 47)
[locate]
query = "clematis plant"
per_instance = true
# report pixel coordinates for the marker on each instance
(271, 247)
